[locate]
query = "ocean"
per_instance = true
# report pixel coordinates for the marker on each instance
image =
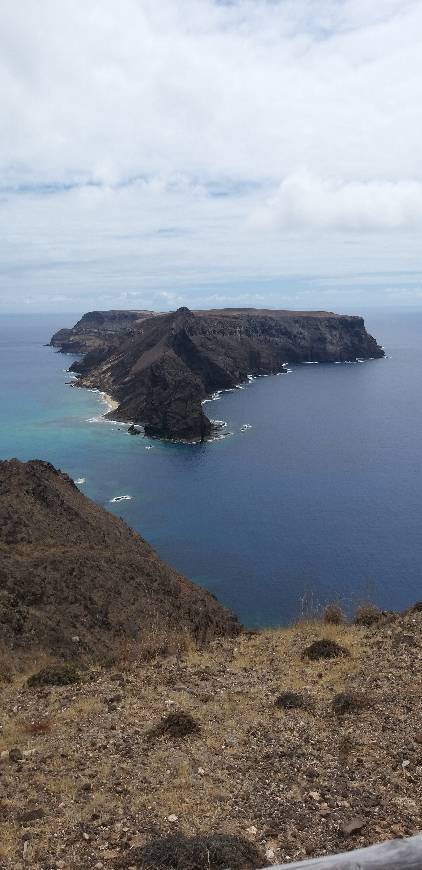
(319, 500)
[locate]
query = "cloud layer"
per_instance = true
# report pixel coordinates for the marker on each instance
(179, 150)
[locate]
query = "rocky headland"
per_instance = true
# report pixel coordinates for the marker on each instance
(77, 582)
(160, 367)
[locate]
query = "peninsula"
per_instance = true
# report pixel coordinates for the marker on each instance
(160, 367)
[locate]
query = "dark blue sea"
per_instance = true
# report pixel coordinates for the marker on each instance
(321, 499)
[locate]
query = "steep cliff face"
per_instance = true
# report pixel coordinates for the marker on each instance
(98, 331)
(70, 569)
(160, 368)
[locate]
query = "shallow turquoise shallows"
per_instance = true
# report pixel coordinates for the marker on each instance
(319, 499)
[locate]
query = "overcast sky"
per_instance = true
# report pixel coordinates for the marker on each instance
(163, 152)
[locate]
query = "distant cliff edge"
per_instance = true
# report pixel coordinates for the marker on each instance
(160, 367)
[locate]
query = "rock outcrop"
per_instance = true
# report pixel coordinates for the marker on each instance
(160, 367)
(76, 580)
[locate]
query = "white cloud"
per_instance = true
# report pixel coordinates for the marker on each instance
(155, 146)
(305, 201)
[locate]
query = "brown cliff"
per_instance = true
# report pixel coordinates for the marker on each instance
(70, 569)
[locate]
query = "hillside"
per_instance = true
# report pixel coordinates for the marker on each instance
(160, 368)
(95, 774)
(76, 581)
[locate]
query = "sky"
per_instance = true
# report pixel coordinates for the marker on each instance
(210, 153)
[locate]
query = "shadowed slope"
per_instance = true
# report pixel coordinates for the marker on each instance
(70, 569)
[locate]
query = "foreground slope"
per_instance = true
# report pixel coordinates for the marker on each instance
(98, 778)
(160, 368)
(69, 569)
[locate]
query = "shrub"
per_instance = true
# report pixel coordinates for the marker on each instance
(291, 701)
(55, 675)
(324, 649)
(333, 615)
(348, 702)
(215, 852)
(176, 725)
(6, 672)
(367, 614)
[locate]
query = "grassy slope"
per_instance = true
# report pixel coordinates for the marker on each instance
(287, 779)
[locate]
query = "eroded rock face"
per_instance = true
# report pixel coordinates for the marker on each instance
(161, 367)
(75, 580)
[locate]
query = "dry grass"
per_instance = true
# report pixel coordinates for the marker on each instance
(155, 642)
(79, 708)
(96, 771)
(9, 837)
(11, 734)
(37, 726)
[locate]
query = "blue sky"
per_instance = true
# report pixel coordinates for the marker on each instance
(263, 152)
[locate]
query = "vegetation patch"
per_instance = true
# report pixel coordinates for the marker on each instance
(176, 725)
(367, 614)
(349, 702)
(55, 675)
(6, 672)
(333, 615)
(324, 649)
(216, 852)
(291, 701)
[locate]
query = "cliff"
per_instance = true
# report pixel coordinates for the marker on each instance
(98, 330)
(160, 368)
(70, 569)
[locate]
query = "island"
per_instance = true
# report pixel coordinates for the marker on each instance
(159, 367)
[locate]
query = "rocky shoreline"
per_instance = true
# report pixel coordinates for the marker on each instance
(159, 368)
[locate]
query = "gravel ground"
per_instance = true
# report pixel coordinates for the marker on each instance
(92, 770)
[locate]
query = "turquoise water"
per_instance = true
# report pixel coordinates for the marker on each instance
(321, 498)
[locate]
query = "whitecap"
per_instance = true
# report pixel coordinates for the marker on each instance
(79, 481)
(213, 397)
(103, 419)
(220, 436)
(121, 498)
